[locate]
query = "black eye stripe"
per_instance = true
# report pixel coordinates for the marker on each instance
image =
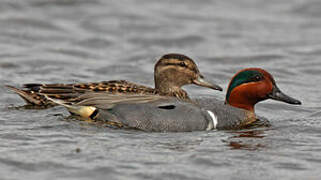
(184, 65)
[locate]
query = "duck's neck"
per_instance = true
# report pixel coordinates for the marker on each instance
(173, 91)
(242, 103)
(248, 108)
(165, 86)
(249, 119)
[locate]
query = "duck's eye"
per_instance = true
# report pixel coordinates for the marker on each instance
(182, 64)
(257, 78)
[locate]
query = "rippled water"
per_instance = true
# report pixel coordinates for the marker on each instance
(80, 41)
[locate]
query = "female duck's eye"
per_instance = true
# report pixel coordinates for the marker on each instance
(182, 64)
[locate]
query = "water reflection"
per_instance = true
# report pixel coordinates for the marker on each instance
(237, 141)
(250, 134)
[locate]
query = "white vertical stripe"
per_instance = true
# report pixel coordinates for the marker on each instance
(214, 118)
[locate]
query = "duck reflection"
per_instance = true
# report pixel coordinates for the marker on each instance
(237, 141)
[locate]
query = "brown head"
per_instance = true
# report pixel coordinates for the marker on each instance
(172, 71)
(252, 85)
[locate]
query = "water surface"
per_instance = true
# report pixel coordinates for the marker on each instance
(67, 41)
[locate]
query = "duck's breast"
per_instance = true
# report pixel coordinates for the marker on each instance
(228, 117)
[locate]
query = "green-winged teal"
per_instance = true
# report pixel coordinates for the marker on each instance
(160, 114)
(171, 72)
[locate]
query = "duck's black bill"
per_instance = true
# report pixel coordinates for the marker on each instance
(278, 95)
(200, 81)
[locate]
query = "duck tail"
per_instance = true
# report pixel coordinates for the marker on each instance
(83, 111)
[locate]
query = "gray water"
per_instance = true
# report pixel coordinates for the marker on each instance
(70, 41)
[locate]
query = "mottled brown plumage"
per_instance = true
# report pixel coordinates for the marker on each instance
(34, 94)
(171, 72)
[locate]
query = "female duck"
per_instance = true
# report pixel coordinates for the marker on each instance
(171, 72)
(159, 113)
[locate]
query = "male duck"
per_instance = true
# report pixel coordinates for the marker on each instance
(171, 72)
(160, 114)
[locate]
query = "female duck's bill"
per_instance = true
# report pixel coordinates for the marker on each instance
(252, 85)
